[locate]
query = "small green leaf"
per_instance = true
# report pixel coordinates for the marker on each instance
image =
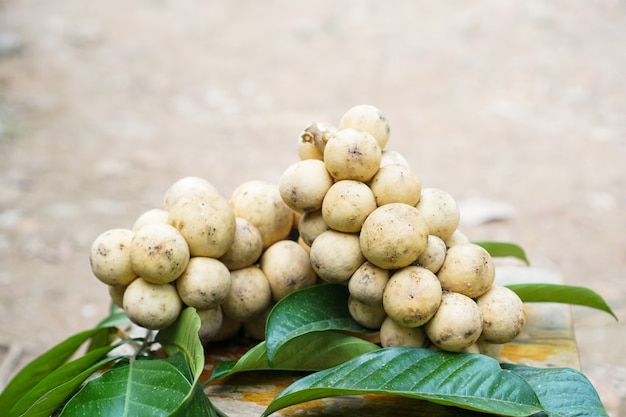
(115, 319)
(42, 366)
(504, 249)
(313, 309)
(468, 381)
(563, 392)
(140, 388)
(309, 352)
(52, 391)
(183, 337)
(557, 293)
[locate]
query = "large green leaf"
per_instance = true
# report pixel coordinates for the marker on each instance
(469, 381)
(42, 366)
(313, 309)
(563, 392)
(504, 249)
(557, 293)
(200, 406)
(53, 390)
(309, 352)
(139, 388)
(183, 337)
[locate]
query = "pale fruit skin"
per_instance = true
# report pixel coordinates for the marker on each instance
(503, 315)
(367, 284)
(347, 204)
(335, 256)
(368, 118)
(304, 184)
(468, 269)
(155, 215)
(206, 221)
(311, 225)
(392, 334)
(210, 322)
(204, 284)
(116, 292)
(352, 154)
(313, 139)
(396, 183)
(228, 330)
(434, 255)
(456, 325)
(110, 257)
(456, 238)
(393, 236)
(390, 157)
(260, 203)
(249, 295)
(287, 268)
(412, 296)
(440, 211)
(159, 253)
(153, 306)
(187, 185)
(370, 316)
(246, 248)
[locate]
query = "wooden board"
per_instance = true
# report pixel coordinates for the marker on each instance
(547, 341)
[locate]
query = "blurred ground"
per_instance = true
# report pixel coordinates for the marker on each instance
(104, 104)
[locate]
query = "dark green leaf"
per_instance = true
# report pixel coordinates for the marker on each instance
(309, 352)
(563, 392)
(469, 381)
(52, 391)
(557, 293)
(183, 337)
(42, 366)
(200, 405)
(504, 249)
(140, 388)
(313, 309)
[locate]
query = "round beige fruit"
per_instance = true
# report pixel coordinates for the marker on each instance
(412, 296)
(503, 315)
(260, 203)
(434, 255)
(154, 215)
(370, 316)
(393, 334)
(368, 118)
(347, 204)
(368, 283)
(153, 306)
(440, 211)
(352, 154)
(246, 248)
(249, 295)
(304, 184)
(390, 157)
(184, 186)
(210, 322)
(311, 225)
(159, 253)
(287, 268)
(396, 183)
(456, 325)
(206, 221)
(204, 284)
(110, 257)
(393, 236)
(335, 256)
(467, 269)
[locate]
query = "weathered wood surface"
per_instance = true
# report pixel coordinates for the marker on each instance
(547, 341)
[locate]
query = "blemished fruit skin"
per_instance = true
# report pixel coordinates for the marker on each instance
(153, 306)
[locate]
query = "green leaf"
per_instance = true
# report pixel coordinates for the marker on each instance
(504, 249)
(115, 319)
(140, 388)
(52, 391)
(42, 366)
(563, 392)
(557, 293)
(183, 337)
(469, 381)
(313, 309)
(309, 352)
(200, 405)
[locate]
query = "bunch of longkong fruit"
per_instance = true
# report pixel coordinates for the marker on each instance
(348, 212)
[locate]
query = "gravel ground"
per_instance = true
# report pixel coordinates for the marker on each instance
(515, 108)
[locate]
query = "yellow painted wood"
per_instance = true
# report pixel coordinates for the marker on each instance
(547, 341)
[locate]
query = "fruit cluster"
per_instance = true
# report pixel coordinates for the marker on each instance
(348, 212)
